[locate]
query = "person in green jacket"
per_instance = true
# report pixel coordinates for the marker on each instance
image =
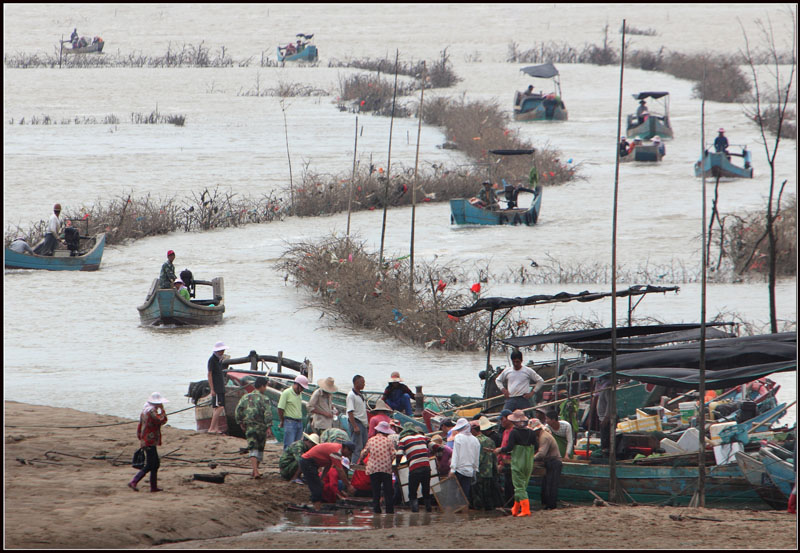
(254, 415)
(289, 463)
(182, 289)
(522, 447)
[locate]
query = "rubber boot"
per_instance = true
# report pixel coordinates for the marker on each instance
(525, 511)
(414, 505)
(154, 482)
(516, 508)
(428, 507)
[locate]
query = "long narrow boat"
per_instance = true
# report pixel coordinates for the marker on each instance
(781, 470)
(725, 485)
(167, 307)
(718, 164)
(464, 212)
(654, 124)
(88, 258)
(97, 47)
(753, 470)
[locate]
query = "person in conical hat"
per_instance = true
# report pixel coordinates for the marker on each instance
(320, 405)
(381, 413)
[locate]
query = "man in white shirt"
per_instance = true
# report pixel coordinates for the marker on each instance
(466, 455)
(518, 383)
(561, 429)
(51, 234)
(19, 245)
(357, 415)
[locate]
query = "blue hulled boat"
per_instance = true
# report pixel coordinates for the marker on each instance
(469, 212)
(537, 106)
(167, 307)
(779, 465)
(718, 164)
(307, 52)
(84, 257)
(651, 124)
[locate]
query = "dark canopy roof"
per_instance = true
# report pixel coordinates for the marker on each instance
(663, 334)
(689, 379)
(721, 354)
(493, 304)
(544, 71)
(656, 95)
(512, 152)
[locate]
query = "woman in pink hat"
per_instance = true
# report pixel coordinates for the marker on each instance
(151, 419)
(380, 449)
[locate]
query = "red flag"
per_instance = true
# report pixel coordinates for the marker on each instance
(440, 287)
(476, 288)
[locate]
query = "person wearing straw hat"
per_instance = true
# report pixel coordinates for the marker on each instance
(486, 490)
(52, 232)
(660, 145)
(167, 276)
(466, 455)
(397, 395)
(290, 411)
(254, 416)
(504, 459)
(151, 419)
(380, 449)
(183, 291)
(381, 413)
(289, 463)
(549, 455)
(721, 142)
(518, 384)
(522, 446)
(216, 381)
(320, 405)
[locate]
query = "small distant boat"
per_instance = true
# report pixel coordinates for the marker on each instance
(653, 124)
(647, 152)
(82, 256)
(718, 164)
(96, 46)
(167, 307)
(467, 212)
(308, 52)
(541, 107)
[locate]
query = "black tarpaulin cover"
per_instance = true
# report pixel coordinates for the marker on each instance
(689, 379)
(544, 71)
(656, 95)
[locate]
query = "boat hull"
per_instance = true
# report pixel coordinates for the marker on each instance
(725, 485)
(756, 475)
(309, 53)
(462, 212)
(92, 48)
(717, 164)
(541, 109)
(60, 260)
(167, 307)
(647, 152)
(653, 126)
(780, 472)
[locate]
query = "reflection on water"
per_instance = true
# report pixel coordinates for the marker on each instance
(366, 520)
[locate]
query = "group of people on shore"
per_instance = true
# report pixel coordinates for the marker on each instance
(492, 460)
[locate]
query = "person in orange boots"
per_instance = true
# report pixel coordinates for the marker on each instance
(522, 447)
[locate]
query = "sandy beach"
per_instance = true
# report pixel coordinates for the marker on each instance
(66, 488)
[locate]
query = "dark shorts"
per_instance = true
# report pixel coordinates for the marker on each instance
(218, 400)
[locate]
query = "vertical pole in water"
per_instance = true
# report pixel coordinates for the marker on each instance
(388, 162)
(612, 455)
(701, 418)
(60, 51)
(414, 186)
(489, 341)
(352, 182)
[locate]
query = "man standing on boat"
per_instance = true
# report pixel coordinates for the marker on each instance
(290, 410)
(52, 232)
(216, 381)
(254, 415)
(721, 142)
(167, 277)
(642, 113)
(518, 383)
(357, 415)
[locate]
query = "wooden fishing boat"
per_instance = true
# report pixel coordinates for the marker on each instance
(308, 53)
(647, 152)
(97, 47)
(725, 485)
(718, 164)
(541, 107)
(655, 124)
(465, 212)
(167, 307)
(753, 469)
(86, 256)
(779, 465)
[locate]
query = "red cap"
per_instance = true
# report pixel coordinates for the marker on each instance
(170, 252)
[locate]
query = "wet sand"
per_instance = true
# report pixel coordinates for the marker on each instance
(66, 488)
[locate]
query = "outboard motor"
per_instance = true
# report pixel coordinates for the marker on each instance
(72, 238)
(188, 280)
(747, 158)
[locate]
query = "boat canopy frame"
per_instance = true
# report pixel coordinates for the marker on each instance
(544, 71)
(662, 97)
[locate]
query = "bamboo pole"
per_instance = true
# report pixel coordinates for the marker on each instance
(612, 456)
(701, 420)
(389, 161)
(352, 181)
(288, 155)
(414, 186)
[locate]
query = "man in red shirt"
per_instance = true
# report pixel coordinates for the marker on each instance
(324, 456)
